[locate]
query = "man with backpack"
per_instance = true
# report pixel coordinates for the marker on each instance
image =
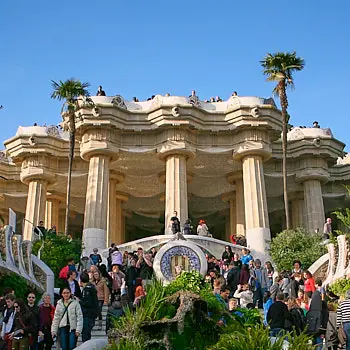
(260, 285)
(95, 257)
(89, 306)
(69, 267)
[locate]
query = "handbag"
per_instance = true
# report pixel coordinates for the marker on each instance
(31, 339)
(341, 335)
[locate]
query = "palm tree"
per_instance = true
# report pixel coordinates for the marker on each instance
(74, 93)
(279, 67)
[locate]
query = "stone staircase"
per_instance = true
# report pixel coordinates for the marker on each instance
(96, 333)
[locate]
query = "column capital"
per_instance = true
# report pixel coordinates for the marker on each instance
(229, 197)
(319, 174)
(111, 154)
(36, 173)
(124, 197)
(173, 149)
(233, 177)
(264, 154)
(55, 197)
(253, 141)
(99, 141)
(116, 176)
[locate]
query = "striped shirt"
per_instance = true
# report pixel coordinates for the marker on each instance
(343, 312)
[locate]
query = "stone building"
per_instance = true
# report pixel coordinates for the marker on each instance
(137, 162)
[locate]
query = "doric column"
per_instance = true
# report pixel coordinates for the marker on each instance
(176, 187)
(312, 173)
(95, 219)
(298, 213)
(116, 221)
(113, 208)
(240, 211)
(35, 209)
(254, 193)
(36, 173)
(252, 149)
(256, 212)
(231, 199)
(236, 179)
(314, 205)
(52, 213)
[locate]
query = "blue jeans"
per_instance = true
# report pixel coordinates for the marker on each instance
(68, 339)
(319, 342)
(88, 325)
(346, 327)
(258, 297)
(277, 332)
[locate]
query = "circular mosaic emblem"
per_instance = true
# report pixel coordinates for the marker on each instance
(176, 256)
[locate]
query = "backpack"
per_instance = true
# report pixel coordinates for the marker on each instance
(298, 319)
(252, 283)
(63, 273)
(95, 258)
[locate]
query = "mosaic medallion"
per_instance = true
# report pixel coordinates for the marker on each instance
(178, 256)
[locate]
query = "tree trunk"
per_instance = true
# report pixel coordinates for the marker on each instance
(70, 166)
(284, 105)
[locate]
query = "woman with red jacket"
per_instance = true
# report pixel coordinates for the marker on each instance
(46, 314)
(309, 284)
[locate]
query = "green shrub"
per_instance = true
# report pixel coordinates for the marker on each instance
(125, 345)
(258, 338)
(191, 281)
(290, 245)
(206, 293)
(18, 283)
(247, 317)
(56, 251)
(340, 287)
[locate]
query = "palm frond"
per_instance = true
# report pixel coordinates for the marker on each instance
(69, 90)
(282, 65)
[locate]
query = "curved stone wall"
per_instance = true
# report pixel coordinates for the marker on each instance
(211, 245)
(16, 257)
(335, 264)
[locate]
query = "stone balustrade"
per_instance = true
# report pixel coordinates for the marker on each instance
(16, 257)
(210, 245)
(335, 264)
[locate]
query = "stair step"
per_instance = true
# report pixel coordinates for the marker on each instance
(98, 333)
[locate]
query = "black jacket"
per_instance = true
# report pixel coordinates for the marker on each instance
(293, 288)
(34, 310)
(233, 278)
(131, 274)
(278, 315)
(314, 315)
(297, 320)
(77, 292)
(227, 256)
(89, 302)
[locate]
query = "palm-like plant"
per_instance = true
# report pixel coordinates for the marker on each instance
(279, 67)
(74, 93)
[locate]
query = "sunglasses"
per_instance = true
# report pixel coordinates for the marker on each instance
(31, 297)
(16, 306)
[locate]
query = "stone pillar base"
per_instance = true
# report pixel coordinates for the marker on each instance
(258, 240)
(94, 238)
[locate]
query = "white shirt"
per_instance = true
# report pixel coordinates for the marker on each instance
(245, 297)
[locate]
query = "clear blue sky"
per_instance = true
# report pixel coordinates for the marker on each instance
(140, 48)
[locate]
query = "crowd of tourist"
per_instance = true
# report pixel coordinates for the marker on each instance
(85, 289)
(288, 300)
(101, 92)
